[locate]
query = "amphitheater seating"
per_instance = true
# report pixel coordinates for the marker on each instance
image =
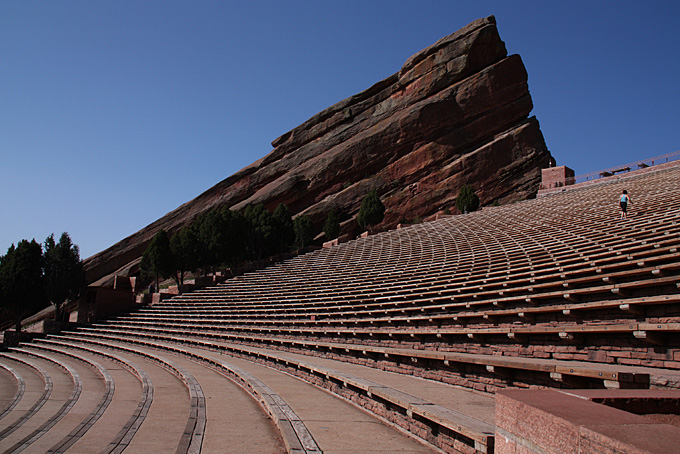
(554, 292)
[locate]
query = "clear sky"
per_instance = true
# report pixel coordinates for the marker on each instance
(114, 113)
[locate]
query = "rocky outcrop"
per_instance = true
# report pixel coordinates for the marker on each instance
(456, 113)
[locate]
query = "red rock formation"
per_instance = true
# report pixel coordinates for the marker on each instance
(456, 113)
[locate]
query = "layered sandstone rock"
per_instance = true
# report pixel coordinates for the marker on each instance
(456, 113)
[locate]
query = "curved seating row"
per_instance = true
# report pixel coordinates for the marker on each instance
(25, 414)
(296, 436)
(54, 418)
(139, 411)
(17, 394)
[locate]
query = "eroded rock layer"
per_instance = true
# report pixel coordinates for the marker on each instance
(456, 113)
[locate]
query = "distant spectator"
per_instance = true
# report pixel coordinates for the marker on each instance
(624, 200)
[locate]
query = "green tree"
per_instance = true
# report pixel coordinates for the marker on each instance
(157, 260)
(222, 238)
(21, 280)
(372, 210)
(303, 231)
(332, 226)
(467, 200)
(208, 229)
(260, 233)
(64, 275)
(283, 233)
(184, 248)
(233, 237)
(5, 297)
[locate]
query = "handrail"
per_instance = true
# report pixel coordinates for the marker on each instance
(641, 164)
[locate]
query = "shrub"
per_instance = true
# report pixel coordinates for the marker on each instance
(372, 210)
(283, 233)
(63, 272)
(303, 231)
(157, 260)
(332, 226)
(467, 200)
(21, 281)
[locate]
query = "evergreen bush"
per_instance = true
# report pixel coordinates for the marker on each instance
(467, 200)
(332, 226)
(64, 276)
(372, 210)
(303, 231)
(157, 261)
(22, 288)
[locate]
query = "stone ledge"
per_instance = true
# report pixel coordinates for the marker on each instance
(533, 421)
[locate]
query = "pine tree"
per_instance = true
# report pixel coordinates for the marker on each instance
(157, 260)
(261, 231)
(63, 272)
(234, 246)
(372, 210)
(303, 231)
(332, 226)
(467, 200)
(208, 230)
(283, 232)
(21, 280)
(184, 247)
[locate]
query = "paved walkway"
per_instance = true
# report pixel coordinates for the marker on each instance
(473, 404)
(336, 426)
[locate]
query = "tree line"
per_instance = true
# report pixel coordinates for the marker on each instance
(34, 275)
(224, 238)
(227, 238)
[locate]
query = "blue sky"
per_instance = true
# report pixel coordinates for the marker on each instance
(115, 113)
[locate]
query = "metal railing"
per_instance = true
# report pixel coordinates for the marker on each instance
(617, 170)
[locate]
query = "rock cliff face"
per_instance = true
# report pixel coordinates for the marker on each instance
(456, 113)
